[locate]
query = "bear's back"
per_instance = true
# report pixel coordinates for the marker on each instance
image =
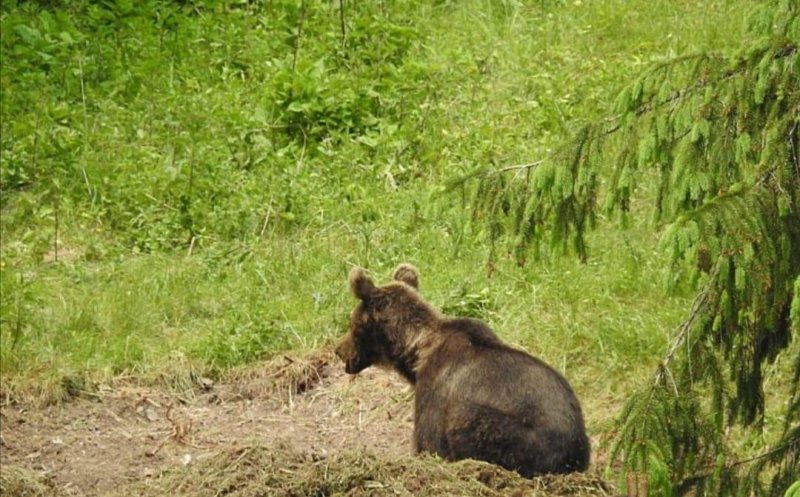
(474, 363)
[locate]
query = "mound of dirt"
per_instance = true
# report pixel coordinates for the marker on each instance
(281, 471)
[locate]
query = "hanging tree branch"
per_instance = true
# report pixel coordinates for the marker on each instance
(721, 135)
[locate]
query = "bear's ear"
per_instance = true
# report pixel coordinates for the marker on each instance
(408, 274)
(360, 284)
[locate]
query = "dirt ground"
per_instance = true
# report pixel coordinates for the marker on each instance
(98, 444)
(88, 446)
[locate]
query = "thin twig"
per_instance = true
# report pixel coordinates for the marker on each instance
(692, 480)
(57, 206)
(793, 143)
(684, 329)
(191, 246)
(299, 33)
(527, 166)
(516, 167)
(178, 433)
(266, 218)
(342, 23)
(83, 88)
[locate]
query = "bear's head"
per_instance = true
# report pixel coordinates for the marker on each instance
(381, 318)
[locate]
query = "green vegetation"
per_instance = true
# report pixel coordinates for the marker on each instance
(714, 136)
(184, 185)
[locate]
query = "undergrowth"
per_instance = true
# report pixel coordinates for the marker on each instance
(184, 185)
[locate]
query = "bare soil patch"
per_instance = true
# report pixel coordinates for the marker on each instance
(296, 426)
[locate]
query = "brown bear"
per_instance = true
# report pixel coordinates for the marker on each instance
(475, 397)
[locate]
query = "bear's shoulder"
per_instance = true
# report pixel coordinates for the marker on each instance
(477, 332)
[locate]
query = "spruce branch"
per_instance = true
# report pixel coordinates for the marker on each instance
(693, 480)
(723, 135)
(648, 107)
(741, 68)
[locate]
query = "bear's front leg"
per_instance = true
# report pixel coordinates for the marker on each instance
(430, 428)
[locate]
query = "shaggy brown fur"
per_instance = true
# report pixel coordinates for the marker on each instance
(475, 397)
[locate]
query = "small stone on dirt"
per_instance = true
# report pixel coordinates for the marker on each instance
(148, 413)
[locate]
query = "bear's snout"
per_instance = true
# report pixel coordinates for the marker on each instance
(345, 350)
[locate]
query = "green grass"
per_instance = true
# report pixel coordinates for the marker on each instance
(161, 317)
(203, 221)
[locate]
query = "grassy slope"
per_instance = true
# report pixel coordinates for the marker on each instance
(500, 83)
